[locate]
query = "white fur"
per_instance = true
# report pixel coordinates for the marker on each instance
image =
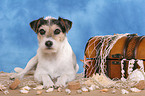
(49, 17)
(59, 62)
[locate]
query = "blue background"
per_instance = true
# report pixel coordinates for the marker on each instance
(18, 42)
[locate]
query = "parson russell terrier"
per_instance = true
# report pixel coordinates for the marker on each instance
(55, 58)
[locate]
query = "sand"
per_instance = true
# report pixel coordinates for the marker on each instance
(4, 79)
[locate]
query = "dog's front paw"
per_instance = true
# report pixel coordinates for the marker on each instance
(46, 80)
(60, 83)
(19, 76)
(48, 84)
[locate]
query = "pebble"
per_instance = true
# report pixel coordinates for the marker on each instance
(123, 91)
(39, 92)
(74, 85)
(68, 91)
(15, 84)
(104, 90)
(49, 90)
(135, 90)
(140, 85)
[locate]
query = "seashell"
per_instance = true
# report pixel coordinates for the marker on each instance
(97, 87)
(103, 80)
(79, 91)
(104, 90)
(26, 88)
(140, 85)
(93, 87)
(24, 91)
(135, 90)
(67, 91)
(6, 92)
(2, 87)
(123, 91)
(113, 91)
(49, 90)
(39, 87)
(39, 92)
(59, 89)
(84, 89)
(136, 75)
(89, 82)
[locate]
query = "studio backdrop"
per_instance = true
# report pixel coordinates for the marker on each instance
(18, 42)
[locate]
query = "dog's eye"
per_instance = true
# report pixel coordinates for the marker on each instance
(42, 32)
(57, 31)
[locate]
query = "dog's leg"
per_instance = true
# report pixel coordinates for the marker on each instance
(47, 82)
(28, 67)
(63, 79)
(45, 79)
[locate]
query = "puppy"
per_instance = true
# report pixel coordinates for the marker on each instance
(55, 58)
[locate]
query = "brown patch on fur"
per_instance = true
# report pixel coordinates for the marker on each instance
(50, 33)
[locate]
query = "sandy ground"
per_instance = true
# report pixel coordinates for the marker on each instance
(4, 79)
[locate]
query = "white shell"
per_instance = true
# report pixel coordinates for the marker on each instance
(135, 90)
(93, 87)
(2, 87)
(79, 91)
(84, 89)
(59, 89)
(24, 91)
(103, 80)
(136, 75)
(113, 91)
(39, 87)
(123, 91)
(26, 88)
(50, 90)
(97, 87)
(67, 91)
(89, 82)
(6, 92)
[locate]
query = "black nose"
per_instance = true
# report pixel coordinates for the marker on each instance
(48, 43)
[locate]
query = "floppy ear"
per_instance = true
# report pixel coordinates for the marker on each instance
(36, 24)
(67, 24)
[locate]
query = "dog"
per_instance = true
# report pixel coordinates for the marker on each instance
(55, 58)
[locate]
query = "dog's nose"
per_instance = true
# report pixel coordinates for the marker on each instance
(49, 43)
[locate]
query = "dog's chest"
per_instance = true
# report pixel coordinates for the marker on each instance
(54, 65)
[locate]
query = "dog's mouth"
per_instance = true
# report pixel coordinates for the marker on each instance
(49, 50)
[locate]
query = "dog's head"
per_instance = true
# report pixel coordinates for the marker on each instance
(51, 32)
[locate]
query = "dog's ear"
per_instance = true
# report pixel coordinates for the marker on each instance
(36, 24)
(66, 24)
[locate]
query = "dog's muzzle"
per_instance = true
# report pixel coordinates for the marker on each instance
(49, 44)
